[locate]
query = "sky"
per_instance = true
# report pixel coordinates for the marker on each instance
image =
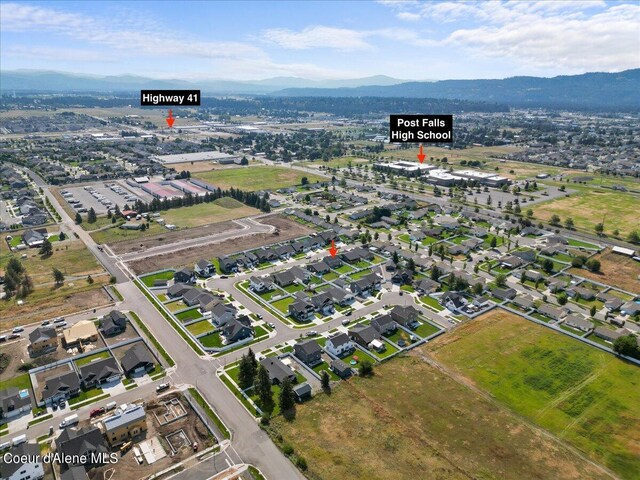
(248, 40)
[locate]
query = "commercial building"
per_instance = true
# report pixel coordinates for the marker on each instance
(162, 190)
(408, 169)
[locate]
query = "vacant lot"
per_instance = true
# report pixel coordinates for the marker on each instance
(583, 395)
(410, 419)
(222, 210)
(338, 162)
(587, 208)
(256, 178)
(143, 243)
(615, 270)
(288, 230)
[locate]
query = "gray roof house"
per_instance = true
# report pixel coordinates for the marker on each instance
(405, 316)
(277, 370)
(384, 324)
(113, 323)
(86, 441)
(137, 359)
(308, 352)
(338, 344)
(341, 369)
(29, 464)
(363, 335)
(14, 401)
(302, 310)
(234, 331)
(99, 371)
(61, 386)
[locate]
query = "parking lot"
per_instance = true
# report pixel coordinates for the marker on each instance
(99, 196)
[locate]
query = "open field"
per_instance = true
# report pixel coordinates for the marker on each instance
(615, 270)
(337, 162)
(256, 178)
(589, 208)
(222, 210)
(114, 234)
(411, 418)
(288, 230)
(166, 236)
(583, 395)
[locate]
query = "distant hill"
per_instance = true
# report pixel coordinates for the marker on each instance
(46, 81)
(589, 90)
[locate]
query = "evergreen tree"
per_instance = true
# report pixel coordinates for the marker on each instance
(263, 389)
(46, 249)
(58, 276)
(78, 218)
(325, 381)
(286, 400)
(247, 372)
(91, 216)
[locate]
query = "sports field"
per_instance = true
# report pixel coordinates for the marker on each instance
(256, 177)
(413, 421)
(583, 395)
(589, 207)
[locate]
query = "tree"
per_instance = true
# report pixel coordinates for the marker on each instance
(592, 265)
(547, 265)
(599, 228)
(627, 345)
(494, 242)
(396, 258)
(325, 381)
(244, 161)
(62, 236)
(562, 298)
(286, 400)
(501, 280)
(90, 279)
(247, 372)
(477, 289)
(435, 273)
(555, 220)
(91, 216)
(304, 181)
(263, 389)
(411, 265)
(593, 310)
(78, 218)
(634, 237)
(568, 223)
(143, 227)
(46, 249)
(58, 276)
(365, 369)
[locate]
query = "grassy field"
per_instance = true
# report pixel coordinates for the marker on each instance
(615, 270)
(411, 418)
(112, 235)
(221, 210)
(256, 178)
(588, 208)
(92, 358)
(581, 394)
(338, 162)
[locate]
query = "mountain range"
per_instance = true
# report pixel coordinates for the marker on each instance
(609, 91)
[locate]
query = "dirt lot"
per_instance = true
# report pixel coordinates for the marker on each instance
(616, 270)
(195, 430)
(288, 230)
(143, 243)
(129, 333)
(19, 355)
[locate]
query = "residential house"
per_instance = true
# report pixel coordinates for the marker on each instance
(259, 285)
(113, 323)
(123, 426)
(504, 293)
(302, 310)
(405, 316)
(609, 335)
(43, 339)
(630, 308)
(581, 292)
(76, 444)
(333, 262)
(340, 296)
(402, 276)
(309, 352)
(283, 279)
(384, 324)
(319, 268)
(363, 335)
(34, 238)
(192, 296)
(14, 402)
(557, 285)
(533, 276)
(82, 331)
(177, 290)
(339, 344)
(186, 275)
(25, 463)
(99, 371)
(511, 262)
(59, 386)
(526, 256)
(366, 285)
(137, 359)
(426, 286)
(523, 301)
(341, 369)
(579, 322)
(235, 331)
(323, 303)
(277, 370)
(204, 268)
(75, 473)
(453, 301)
(220, 312)
(552, 312)
(227, 265)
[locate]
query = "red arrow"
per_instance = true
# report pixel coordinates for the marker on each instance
(170, 119)
(333, 250)
(421, 155)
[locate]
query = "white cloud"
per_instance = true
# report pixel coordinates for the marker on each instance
(318, 36)
(57, 54)
(575, 36)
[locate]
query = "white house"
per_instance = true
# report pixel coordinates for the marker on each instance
(32, 469)
(339, 344)
(258, 284)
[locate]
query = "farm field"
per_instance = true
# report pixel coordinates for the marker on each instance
(221, 210)
(588, 208)
(426, 422)
(256, 178)
(615, 270)
(581, 394)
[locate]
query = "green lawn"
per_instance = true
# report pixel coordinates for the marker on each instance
(577, 392)
(432, 302)
(176, 305)
(190, 314)
(344, 269)
(256, 177)
(20, 382)
(206, 213)
(294, 287)
(389, 351)
(92, 358)
(149, 279)
(266, 296)
(426, 329)
(199, 328)
(360, 274)
(283, 304)
(324, 367)
(260, 331)
(361, 355)
(86, 395)
(330, 276)
(211, 341)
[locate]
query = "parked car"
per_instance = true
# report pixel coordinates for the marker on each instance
(14, 335)
(348, 314)
(346, 321)
(259, 316)
(45, 323)
(18, 330)
(312, 333)
(59, 320)
(272, 325)
(96, 411)
(61, 325)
